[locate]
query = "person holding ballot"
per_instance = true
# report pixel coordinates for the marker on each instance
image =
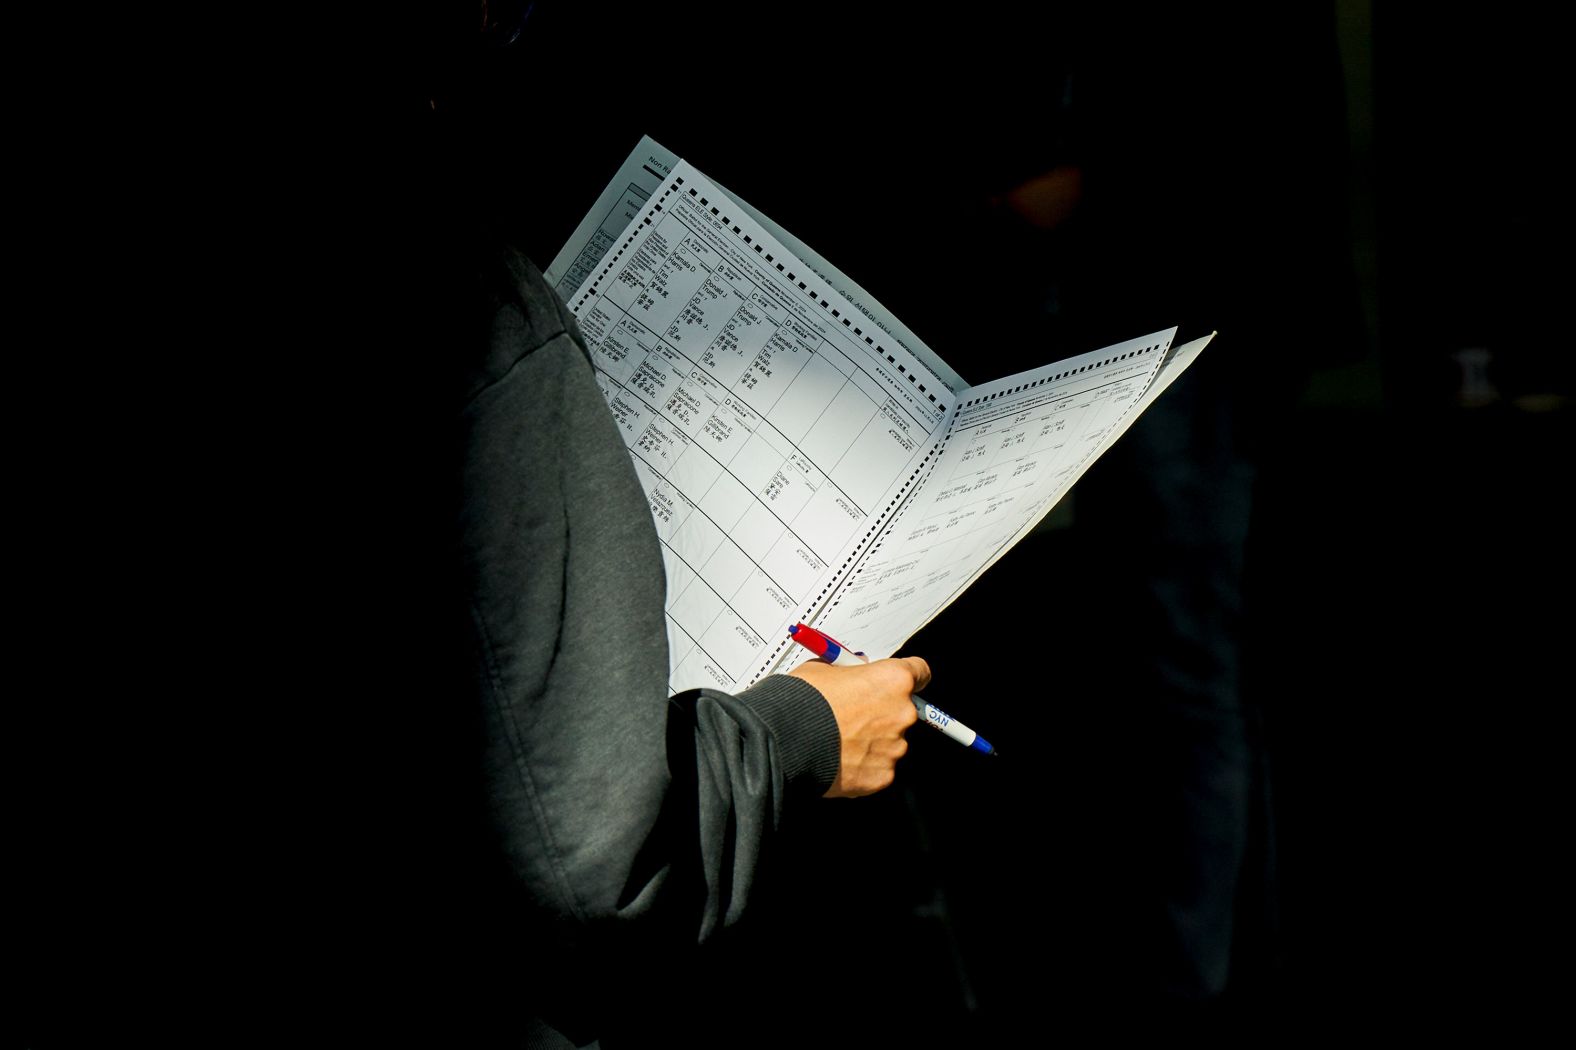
(633, 824)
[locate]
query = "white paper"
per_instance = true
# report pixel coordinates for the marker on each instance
(807, 461)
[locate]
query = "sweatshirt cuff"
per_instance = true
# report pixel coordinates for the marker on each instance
(803, 727)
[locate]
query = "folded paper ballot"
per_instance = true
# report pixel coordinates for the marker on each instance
(806, 457)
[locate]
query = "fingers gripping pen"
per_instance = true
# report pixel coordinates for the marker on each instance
(828, 649)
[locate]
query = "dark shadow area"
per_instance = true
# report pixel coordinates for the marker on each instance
(1278, 693)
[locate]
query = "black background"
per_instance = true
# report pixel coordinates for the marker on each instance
(1349, 196)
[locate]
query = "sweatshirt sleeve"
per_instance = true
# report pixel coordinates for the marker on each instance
(751, 755)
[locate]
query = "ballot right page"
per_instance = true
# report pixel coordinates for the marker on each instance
(1012, 451)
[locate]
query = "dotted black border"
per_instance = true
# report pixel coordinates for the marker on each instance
(876, 527)
(1063, 375)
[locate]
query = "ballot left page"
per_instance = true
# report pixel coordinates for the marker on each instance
(773, 428)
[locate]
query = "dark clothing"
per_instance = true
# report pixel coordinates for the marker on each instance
(632, 824)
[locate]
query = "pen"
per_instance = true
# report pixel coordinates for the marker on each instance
(828, 649)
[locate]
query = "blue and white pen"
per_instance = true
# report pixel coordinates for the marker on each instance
(828, 649)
